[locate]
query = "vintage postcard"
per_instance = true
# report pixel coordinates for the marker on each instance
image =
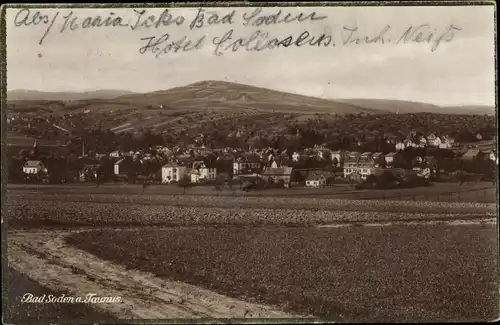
(246, 162)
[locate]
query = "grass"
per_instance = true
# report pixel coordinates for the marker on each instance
(392, 274)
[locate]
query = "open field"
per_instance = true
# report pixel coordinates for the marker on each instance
(34, 210)
(393, 273)
(47, 259)
(481, 192)
(335, 258)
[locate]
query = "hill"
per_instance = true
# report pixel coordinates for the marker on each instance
(228, 95)
(196, 104)
(33, 95)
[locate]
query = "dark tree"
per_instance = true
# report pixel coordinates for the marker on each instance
(185, 183)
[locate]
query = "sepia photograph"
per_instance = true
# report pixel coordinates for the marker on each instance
(249, 163)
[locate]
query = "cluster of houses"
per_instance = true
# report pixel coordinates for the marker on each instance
(197, 173)
(432, 140)
(270, 164)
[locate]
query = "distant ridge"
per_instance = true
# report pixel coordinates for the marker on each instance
(403, 107)
(213, 94)
(25, 94)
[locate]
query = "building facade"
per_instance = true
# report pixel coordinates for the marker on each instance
(172, 173)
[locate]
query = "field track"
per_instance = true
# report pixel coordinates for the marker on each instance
(45, 257)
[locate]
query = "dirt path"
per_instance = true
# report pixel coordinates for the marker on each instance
(44, 257)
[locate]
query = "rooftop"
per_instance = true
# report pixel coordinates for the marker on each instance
(278, 171)
(32, 163)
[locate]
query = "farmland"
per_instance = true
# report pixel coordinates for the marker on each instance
(399, 273)
(481, 192)
(327, 256)
(27, 208)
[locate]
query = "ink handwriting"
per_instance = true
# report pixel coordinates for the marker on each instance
(256, 18)
(251, 40)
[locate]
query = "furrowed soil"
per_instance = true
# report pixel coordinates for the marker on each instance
(391, 273)
(335, 258)
(26, 209)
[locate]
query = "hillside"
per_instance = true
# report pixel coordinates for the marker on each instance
(199, 103)
(33, 95)
(228, 95)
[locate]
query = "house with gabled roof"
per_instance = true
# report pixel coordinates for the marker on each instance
(446, 142)
(315, 179)
(366, 166)
(33, 167)
(249, 163)
(389, 159)
(337, 154)
(172, 172)
(277, 174)
(201, 172)
(366, 154)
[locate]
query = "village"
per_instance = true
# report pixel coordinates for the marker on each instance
(424, 159)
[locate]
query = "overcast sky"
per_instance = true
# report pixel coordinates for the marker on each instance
(456, 73)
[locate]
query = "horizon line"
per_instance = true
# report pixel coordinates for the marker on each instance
(493, 105)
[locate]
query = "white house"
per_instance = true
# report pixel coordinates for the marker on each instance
(116, 167)
(115, 154)
(389, 159)
(350, 166)
(315, 180)
(433, 140)
(446, 143)
(337, 155)
(243, 163)
(172, 173)
(366, 167)
(400, 146)
(200, 172)
(33, 167)
(409, 143)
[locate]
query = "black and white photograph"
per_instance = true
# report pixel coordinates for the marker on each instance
(250, 163)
